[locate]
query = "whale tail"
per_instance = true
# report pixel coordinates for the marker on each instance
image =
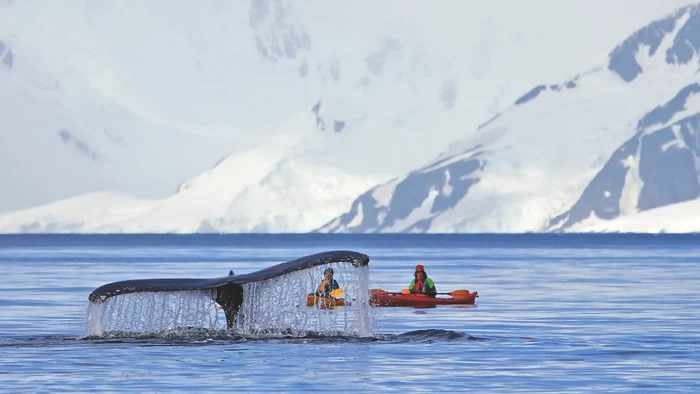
(228, 289)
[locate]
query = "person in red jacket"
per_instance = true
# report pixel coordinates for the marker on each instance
(421, 283)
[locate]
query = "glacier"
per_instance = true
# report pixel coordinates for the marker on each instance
(104, 120)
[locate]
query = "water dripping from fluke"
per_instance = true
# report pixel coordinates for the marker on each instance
(272, 302)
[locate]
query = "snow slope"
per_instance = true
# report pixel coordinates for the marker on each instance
(70, 127)
(674, 218)
(90, 90)
(526, 168)
(295, 197)
(658, 166)
(255, 190)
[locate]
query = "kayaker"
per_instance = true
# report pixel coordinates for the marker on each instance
(421, 283)
(327, 285)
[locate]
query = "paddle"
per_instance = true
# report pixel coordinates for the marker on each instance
(458, 293)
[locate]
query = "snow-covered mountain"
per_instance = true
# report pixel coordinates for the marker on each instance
(70, 126)
(124, 103)
(257, 190)
(658, 166)
(617, 139)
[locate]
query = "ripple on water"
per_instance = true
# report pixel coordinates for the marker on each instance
(599, 318)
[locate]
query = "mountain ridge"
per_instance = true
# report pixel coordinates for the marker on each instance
(135, 111)
(487, 168)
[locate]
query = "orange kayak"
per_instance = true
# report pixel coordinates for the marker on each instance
(379, 297)
(324, 302)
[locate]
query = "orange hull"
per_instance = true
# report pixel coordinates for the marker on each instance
(380, 297)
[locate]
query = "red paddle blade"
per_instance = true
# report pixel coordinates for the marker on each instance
(460, 293)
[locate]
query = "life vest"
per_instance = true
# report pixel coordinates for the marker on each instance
(418, 286)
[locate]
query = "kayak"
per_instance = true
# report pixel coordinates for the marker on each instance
(379, 297)
(325, 302)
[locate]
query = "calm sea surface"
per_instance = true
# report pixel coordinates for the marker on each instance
(555, 313)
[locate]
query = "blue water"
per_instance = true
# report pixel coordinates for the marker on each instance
(555, 313)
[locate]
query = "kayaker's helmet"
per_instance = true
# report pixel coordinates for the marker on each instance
(328, 270)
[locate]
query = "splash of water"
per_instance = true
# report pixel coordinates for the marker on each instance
(274, 307)
(365, 317)
(93, 327)
(279, 305)
(153, 312)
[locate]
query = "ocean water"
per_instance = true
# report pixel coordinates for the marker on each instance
(555, 313)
